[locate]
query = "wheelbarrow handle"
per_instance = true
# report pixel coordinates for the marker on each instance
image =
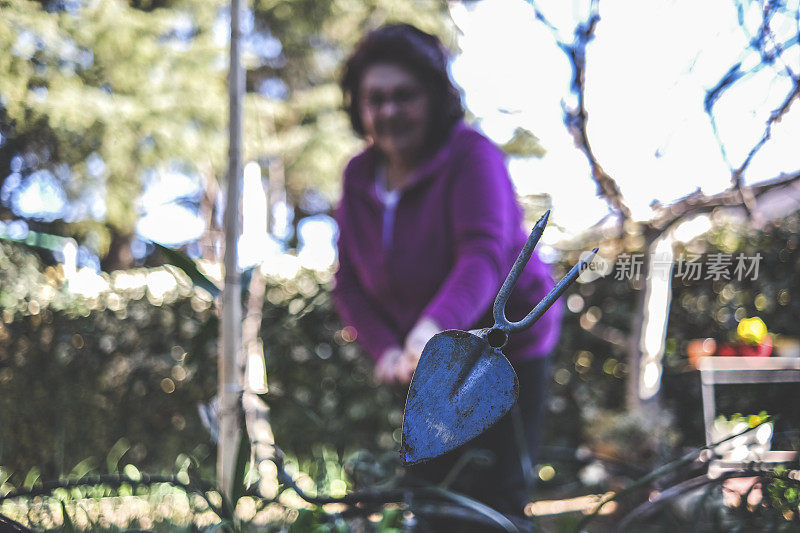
(499, 309)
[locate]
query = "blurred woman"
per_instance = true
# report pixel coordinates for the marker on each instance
(429, 227)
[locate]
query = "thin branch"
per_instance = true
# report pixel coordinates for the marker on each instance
(575, 118)
(769, 51)
(775, 116)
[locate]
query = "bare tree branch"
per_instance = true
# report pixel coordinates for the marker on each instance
(698, 203)
(575, 118)
(775, 116)
(770, 51)
(762, 42)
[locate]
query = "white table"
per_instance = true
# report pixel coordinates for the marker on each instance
(737, 370)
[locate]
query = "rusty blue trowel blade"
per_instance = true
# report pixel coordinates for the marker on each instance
(461, 387)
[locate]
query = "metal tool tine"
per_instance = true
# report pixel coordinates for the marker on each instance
(553, 295)
(499, 308)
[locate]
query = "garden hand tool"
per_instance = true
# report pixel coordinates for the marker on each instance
(463, 383)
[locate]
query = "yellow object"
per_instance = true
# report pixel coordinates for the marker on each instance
(752, 330)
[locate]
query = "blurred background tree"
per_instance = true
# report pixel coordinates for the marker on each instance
(98, 100)
(95, 96)
(126, 370)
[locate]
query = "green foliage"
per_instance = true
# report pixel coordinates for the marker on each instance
(79, 375)
(125, 372)
(312, 521)
(321, 388)
(189, 268)
(523, 144)
(109, 80)
(141, 87)
(391, 521)
(115, 454)
(589, 372)
(242, 462)
(736, 418)
(67, 521)
(783, 494)
(25, 285)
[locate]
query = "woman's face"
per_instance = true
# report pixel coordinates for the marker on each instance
(394, 106)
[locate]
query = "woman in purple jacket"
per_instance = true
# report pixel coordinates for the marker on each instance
(429, 227)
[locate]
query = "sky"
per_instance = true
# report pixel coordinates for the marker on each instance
(647, 73)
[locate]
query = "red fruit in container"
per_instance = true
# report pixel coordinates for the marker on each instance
(764, 349)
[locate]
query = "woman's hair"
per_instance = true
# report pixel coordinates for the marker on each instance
(421, 54)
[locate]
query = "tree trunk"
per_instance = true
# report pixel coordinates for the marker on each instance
(650, 323)
(119, 256)
(632, 399)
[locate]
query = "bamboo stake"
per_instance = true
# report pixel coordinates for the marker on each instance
(229, 365)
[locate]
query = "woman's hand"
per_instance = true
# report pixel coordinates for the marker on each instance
(397, 365)
(416, 340)
(392, 366)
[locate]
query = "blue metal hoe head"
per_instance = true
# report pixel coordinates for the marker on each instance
(463, 383)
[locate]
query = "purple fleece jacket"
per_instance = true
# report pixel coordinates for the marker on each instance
(457, 231)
